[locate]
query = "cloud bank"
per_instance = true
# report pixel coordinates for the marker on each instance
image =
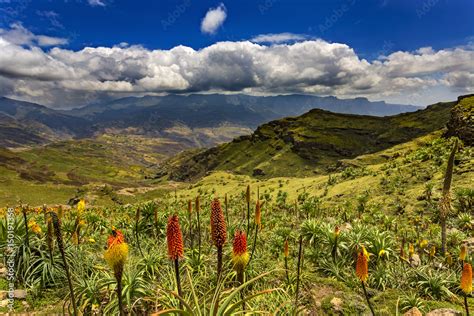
(62, 77)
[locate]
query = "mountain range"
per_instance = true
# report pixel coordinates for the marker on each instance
(197, 120)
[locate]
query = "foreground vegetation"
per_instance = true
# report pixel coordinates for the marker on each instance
(386, 202)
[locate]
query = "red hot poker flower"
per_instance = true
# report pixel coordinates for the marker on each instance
(218, 225)
(115, 238)
(174, 238)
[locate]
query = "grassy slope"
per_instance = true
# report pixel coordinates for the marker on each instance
(414, 160)
(309, 143)
(379, 173)
(122, 162)
(393, 176)
(55, 172)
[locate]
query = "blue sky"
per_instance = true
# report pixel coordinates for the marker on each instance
(418, 33)
(369, 26)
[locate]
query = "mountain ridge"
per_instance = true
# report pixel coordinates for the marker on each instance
(153, 116)
(311, 143)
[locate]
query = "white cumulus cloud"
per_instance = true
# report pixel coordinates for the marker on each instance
(213, 19)
(18, 34)
(64, 77)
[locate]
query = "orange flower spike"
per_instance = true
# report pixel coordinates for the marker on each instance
(258, 215)
(247, 194)
(463, 252)
(174, 238)
(190, 206)
(117, 251)
(240, 255)
(218, 225)
(115, 238)
(466, 279)
(285, 249)
(240, 243)
(362, 268)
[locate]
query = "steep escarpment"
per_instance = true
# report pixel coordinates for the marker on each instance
(311, 143)
(461, 123)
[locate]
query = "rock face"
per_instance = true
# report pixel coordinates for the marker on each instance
(336, 303)
(415, 260)
(444, 312)
(461, 123)
(413, 312)
(258, 172)
(470, 244)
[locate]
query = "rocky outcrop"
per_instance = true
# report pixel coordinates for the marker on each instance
(444, 312)
(413, 312)
(461, 123)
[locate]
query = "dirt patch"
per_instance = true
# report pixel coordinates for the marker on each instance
(135, 191)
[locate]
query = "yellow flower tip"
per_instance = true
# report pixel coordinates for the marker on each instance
(423, 243)
(411, 250)
(92, 240)
(365, 252)
(240, 261)
(382, 253)
(449, 259)
(81, 205)
(75, 238)
(116, 255)
(258, 214)
(36, 229)
(285, 249)
(463, 252)
(466, 279)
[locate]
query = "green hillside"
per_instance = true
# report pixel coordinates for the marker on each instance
(61, 170)
(386, 199)
(311, 143)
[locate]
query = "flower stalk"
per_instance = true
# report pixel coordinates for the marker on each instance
(59, 240)
(298, 273)
(137, 224)
(49, 234)
(226, 208)
(25, 220)
(258, 225)
(190, 219)
(337, 231)
(285, 255)
(445, 203)
(197, 206)
(247, 199)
